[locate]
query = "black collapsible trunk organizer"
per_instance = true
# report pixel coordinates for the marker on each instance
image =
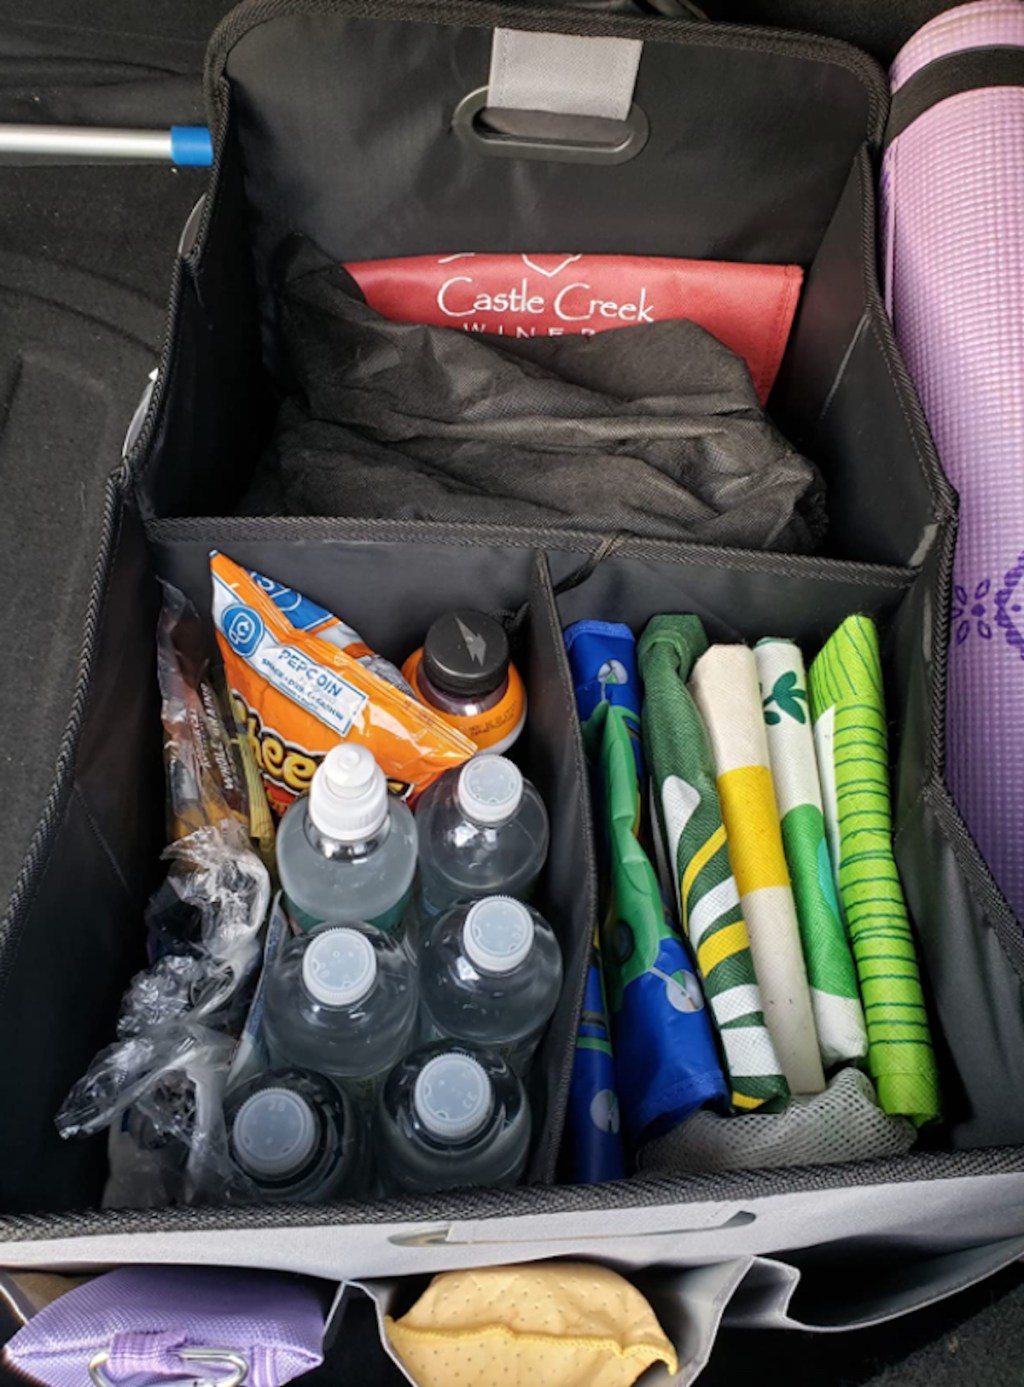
(330, 117)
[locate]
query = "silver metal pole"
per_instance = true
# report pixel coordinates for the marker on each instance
(75, 142)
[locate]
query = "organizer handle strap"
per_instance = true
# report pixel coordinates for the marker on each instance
(564, 74)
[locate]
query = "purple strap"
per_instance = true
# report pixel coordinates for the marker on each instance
(144, 1318)
(148, 1355)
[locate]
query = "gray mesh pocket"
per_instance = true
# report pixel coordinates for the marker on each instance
(844, 1123)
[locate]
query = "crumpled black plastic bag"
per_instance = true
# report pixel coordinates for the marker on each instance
(652, 431)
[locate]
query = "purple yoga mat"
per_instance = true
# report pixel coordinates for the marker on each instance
(144, 1317)
(953, 231)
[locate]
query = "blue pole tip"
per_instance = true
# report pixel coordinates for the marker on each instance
(191, 146)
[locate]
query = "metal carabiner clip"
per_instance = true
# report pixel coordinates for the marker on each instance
(239, 1366)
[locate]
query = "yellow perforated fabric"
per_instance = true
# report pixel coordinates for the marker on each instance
(556, 1324)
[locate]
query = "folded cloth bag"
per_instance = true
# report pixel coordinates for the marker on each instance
(725, 688)
(690, 820)
(953, 228)
(594, 1137)
(666, 1060)
(554, 1324)
(654, 430)
(602, 661)
(842, 1124)
(838, 1014)
(847, 704)
(149, 1322)
(748, 307)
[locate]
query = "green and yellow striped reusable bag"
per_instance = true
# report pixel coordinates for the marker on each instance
(679, 759)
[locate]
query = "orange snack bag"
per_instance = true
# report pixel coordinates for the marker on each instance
(299, 694)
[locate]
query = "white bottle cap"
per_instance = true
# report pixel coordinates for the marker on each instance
(348, 800)
(274, 1133)
(498, 934)
(490, 789)
(339, 967)
(453, 1097)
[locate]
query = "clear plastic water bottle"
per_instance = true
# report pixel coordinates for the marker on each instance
(344, 1000)
(295, 1136)
(452, 1115)
(483, 831)
(347, 852)
(491, 975)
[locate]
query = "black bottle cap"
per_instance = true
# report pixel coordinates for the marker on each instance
(466, 653)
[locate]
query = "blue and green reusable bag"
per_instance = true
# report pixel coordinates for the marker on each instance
(602, 658)
(595, 1137)
(666, 1061)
